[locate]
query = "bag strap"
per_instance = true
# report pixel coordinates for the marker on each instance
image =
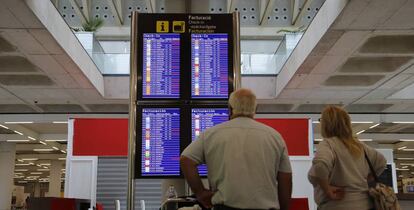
(371, 167)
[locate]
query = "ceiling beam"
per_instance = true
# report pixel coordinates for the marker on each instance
(86, 4)
(230, 6)
(116, 9)
(150, 4)
(296, 20)
(295, 10)
(79, 12)
(266, 7)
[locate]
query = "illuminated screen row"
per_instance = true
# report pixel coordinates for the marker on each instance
(209, 66)
(161, 137)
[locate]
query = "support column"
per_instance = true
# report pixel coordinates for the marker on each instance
(7, 160)
(54, 181)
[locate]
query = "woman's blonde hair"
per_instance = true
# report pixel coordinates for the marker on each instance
(335, 122)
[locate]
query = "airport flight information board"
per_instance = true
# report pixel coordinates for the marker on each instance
(161, 66)
(204, 118)
(209, 66)
(160, 145)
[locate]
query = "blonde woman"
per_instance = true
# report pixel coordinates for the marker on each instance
(340, 171)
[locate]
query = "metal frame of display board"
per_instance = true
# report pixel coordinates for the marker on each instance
(236, 69)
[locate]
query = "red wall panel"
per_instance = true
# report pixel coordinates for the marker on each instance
(295, 132)
(299, 204)
(100, 137)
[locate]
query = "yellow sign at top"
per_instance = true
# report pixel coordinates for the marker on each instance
(178, 27)
(162, 26)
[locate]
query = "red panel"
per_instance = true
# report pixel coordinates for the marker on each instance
(299, 204)
(100, 137)
(63, 204)
(295, 132)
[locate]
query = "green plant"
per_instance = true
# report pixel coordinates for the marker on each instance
(93, 24)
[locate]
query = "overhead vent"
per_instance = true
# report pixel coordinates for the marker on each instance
(313, 107)
(351, 80)
(25, 80)
(15, 108)
(6, 131)
(5, 46)
(407, 130)
(108, 107)
(373, 64)
(399, 44)
(64, 108)
(16, 64)
(262, 108)
(368, 107)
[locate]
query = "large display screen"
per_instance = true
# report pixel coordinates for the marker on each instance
(160, 147)
(204, 118)
(161, 66)
(209, 66)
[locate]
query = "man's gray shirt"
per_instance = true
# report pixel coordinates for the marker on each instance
(243, 158)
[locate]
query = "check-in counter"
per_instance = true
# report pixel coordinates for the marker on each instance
(51, 203)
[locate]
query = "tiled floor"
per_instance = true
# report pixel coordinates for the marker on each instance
(407, 205)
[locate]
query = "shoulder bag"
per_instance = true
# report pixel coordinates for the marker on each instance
(383, 196)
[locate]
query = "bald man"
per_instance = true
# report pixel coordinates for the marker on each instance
(248, 163)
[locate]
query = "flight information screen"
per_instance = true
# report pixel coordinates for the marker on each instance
(160, 148)
(209, 66)
(161, 66)
(204, 118)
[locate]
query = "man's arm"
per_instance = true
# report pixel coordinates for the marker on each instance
(190, 171)
(284, 189)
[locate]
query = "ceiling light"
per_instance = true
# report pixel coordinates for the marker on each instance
(45, 164)
(23, 122)
(22, 181)
(21, 170)
(406, 139)
(408, 150)
(3, 126)
(36, 173)
(360, 132)
(402, 169)
(30, 159)
(56, 140)
(60, 122)
(38, 165)
(318, 139)
(375, 125)
(365, 139)
(20, 160)
(31, 138)
(42, 142)
(17, 140)
(61, 158)
(316, 122)
(22, 164)
(43, 150)
(43, 169)
(19, 173)
(407, 122)
(18, 133)
(362, 122)
(400, 148)
(31, 163)
(405, 158)
(63, 151)
(55, 148)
